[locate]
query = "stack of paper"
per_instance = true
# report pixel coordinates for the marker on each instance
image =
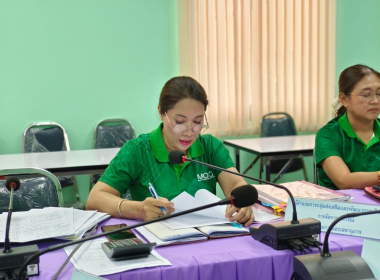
(91, 258)
(274, 196)
(37, 224)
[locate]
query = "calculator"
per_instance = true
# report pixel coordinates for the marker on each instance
(127, 248)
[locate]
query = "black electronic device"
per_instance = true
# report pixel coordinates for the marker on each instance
(376, 188)
(342, 265)
(275, 234)
(125, 234)
(11, 259)
(127, 249)
(242, 196)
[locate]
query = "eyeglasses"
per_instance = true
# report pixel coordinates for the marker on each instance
(368, 96)
(183, 128)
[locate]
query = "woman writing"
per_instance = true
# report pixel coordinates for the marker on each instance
(347, 149)
(144, 161)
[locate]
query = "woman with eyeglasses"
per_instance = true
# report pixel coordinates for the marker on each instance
(347, 149)
(143, 162)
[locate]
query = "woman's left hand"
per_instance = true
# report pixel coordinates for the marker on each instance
(243, 215)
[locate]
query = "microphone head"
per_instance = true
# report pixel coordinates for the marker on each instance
(176, 157)
(12, 182)
(244, 196)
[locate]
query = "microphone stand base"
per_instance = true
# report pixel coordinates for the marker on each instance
(342, 265)
(277, 234)
(12, 261)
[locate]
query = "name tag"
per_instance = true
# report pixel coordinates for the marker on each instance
(328, 211)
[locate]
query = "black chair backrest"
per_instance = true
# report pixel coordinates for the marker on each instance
(40, 139)
(113, 136)
(33, 193)
(280, 124)
(277, 124)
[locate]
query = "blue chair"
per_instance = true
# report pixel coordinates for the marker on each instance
(51, 137)
(37, 192)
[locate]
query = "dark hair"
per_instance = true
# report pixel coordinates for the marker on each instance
(349, 78)
(179, 88)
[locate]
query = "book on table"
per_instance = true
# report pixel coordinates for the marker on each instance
(199, 226)
(302, 189)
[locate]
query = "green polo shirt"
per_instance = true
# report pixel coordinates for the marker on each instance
(337, 138)
(145, 160)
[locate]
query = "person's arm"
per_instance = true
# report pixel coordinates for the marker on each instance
(228, 182)
(341, 176)
(105, 198)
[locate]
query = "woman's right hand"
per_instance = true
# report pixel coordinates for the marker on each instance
(150, 208)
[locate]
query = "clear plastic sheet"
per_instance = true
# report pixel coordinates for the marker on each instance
(112, 136)
(40, 139)
(33, 193)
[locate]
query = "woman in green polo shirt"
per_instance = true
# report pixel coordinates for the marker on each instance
(347, 149)
(144, 161)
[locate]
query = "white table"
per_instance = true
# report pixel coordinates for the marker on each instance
(62, 163)
(271, 148)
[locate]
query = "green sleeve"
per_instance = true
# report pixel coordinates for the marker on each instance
(220, 156)
(328, 143)
(123, 169)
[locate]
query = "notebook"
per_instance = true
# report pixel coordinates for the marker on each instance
(163, 235)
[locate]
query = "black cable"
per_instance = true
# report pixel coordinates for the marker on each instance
(298, 245)
(312, 242)
(73, 252)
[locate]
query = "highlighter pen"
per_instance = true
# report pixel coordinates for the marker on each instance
(155, 195)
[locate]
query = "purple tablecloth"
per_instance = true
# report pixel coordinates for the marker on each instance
(227, 258)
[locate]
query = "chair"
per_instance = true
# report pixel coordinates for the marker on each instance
(279, 124)
(111, 133)
(33, 193)
(50, 137)
(316, 174)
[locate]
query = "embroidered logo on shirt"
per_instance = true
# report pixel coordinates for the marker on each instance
(205, 176)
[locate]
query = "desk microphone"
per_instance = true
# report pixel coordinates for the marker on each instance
(275, 235)
(341, 265)
(12, 259)
(243, 196)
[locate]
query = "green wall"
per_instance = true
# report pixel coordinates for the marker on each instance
(79, 61)
(357, 34)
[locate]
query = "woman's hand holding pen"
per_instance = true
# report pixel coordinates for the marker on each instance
(243, 215)
(151, 208)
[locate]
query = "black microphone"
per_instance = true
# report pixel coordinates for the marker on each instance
(243, 196)
(11, 260)
(275, 235)
(336, 265)
(12, 184)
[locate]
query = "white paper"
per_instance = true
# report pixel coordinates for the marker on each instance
(210, 216)
(185, 201)
(262, 217)
(192, 220)
(51, 222)
(36, 225)
(150, 237)
(91, 258)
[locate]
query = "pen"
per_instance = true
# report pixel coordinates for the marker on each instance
(155, 195)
